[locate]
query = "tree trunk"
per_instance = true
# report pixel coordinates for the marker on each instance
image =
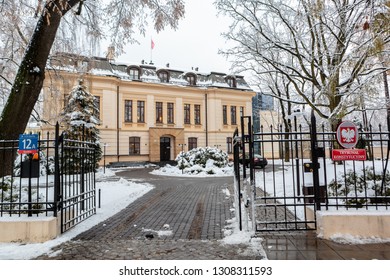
(30, 76)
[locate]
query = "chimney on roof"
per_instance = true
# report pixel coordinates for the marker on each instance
(196, 68)
(167, 65)
(143, 61)
(110, 53)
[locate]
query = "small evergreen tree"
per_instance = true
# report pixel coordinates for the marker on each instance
(80, 119)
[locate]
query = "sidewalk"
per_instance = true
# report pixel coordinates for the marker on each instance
(184, 218)
(306, 246)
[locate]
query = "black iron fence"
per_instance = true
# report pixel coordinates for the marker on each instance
(29, 186)
(301, 177)
(58, 179)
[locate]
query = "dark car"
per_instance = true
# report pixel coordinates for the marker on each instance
(258, 160)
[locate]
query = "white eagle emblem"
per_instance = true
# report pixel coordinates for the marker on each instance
(348, 135)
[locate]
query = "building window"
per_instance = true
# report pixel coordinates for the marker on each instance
(231, 81)
(96, 109)
(141, 111)
(170, 116)
(229, 143)
(128, 111)
(134, 73)
(265, 102)
(197, 114)
(163, 76)
(241, 111)
(134, 145)
(159, 112)
(187, 113)
(191, 79)
(233, 116)
(192, 143)
(224, 113)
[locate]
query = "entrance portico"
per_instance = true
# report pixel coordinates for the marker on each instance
(164, 143)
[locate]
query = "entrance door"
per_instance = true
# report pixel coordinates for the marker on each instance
(165, 148)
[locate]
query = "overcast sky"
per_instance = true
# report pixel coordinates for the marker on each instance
(194, 44)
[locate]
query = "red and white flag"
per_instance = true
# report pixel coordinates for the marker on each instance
(152, 44)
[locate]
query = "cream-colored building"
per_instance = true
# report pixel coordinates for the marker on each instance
(151, 113)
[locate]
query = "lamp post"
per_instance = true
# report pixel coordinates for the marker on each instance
(182, 147)
(104, 157)
(182, 151)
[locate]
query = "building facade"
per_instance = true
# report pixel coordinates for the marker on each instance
(150, 113)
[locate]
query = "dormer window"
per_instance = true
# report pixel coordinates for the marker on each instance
(134, 73)
(163, 76)
(231, 81)
(191, 79)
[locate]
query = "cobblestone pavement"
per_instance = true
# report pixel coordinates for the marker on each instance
(181, 218)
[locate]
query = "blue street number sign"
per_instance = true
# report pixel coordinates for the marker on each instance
(28, 143)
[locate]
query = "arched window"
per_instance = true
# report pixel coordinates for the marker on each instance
(134, 72)
(231, 80)
(191, 79)
(163, 75)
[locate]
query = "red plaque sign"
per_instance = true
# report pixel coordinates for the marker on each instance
(349, 154)
(347, 134)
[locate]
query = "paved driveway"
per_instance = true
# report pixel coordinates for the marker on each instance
(181, 218)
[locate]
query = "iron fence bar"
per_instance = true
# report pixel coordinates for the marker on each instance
(243, 148)
(236, 148)
(314, 160)
(57, 184)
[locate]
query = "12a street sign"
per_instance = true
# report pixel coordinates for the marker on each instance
(28, 143)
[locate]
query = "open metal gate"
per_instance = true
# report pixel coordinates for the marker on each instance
(301, 178)
(75, 178)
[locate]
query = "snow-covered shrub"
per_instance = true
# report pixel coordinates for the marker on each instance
(202, 159)
(366, 184)
(10, 192)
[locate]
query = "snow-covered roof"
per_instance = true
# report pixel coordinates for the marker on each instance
(148, 72)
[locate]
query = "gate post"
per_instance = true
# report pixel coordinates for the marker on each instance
(56, 170)
(314, 160)
(236, 155)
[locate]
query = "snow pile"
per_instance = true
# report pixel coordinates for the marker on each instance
(200, 162)
(352, 239)
(234, 236)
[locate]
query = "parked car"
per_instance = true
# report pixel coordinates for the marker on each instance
(258, 160)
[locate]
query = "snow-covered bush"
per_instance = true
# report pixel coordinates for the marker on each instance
(202, 159)
(11, 193)
(367, 184)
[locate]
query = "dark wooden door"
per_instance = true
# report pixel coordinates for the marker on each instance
(165, 148)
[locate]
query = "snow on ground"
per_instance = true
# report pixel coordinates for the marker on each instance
(273, 185)
(117, 193)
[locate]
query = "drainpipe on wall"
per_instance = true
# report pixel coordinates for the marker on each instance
(207, 132)
(117, 123)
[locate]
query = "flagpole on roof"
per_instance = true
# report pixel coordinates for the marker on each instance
(151, 49)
